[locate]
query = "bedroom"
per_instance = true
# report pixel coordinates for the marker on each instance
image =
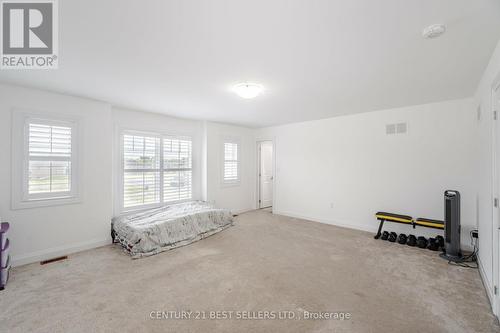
(360, 107)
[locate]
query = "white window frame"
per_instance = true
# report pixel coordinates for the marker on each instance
(20, 160)
(237, 142)
(161, 136)
(122, 170)
(165, 170)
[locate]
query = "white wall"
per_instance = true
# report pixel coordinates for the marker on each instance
(349, 162)
(41, 233)
(346, 161)
(240, 197)
(484, 173)
(207, 157)
(46, 232)
(152, 122)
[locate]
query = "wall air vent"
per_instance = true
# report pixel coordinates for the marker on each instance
(399, 128)
(390, 129)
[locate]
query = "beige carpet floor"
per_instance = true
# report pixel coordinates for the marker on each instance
(264, 263)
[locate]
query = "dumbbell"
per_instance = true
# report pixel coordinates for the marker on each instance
(392, 237)
(412, 240)
(433, 244)
(422, 242)
(385, 235)
(402, 239)
(440, 241)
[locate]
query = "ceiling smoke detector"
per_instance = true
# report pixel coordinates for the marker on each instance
(248, 90)
(434, 31)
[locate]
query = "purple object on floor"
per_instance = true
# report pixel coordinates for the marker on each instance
(4, 254)
(4, 228)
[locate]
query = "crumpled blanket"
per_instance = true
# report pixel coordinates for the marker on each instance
(160, 229)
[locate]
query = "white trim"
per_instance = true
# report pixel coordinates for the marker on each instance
(495, 299)
(237, 142)
(230, 184)
(259, 174)
(361, 227)
(372, 228)
(19, 150)
(121, 131)
(16, 205)
(72, 159)
(242, 211)
(58, 251)
(486, 284)
(257, 185)
(122, 208)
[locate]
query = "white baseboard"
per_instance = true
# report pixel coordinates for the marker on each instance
(367, 228)
(241, 211)
(487, 285)
(370, 228)
(57, 252)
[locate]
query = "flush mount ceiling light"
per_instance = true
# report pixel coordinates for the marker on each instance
(248, 90)
(434, 31)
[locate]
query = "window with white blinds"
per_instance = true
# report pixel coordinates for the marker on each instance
(141, 170)
(231, 170)
(177, 167)
(156, 169)
(49, 159)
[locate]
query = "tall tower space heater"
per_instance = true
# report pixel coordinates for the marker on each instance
(452, 226)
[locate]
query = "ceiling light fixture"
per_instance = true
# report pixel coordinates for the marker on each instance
(248, 90)
(434, 31)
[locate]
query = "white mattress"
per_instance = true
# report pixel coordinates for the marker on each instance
(161, 229)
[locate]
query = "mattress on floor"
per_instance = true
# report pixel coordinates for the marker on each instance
(161, 229)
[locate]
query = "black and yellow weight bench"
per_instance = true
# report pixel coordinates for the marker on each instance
(405, 219)
(423, 222)
(390, 217)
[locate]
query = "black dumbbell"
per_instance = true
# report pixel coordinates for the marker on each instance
(385, 235)
(440, 241)
(433, 244)
(392, 237)
(402, 239)
(422, 242)
(412, 240)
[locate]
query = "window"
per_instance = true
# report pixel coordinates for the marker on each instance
(49, 159)
(44, 160)
(177, 167)
(141, 170)
(231, 172)
(156, 169)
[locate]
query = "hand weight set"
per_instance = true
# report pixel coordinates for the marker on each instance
(412, 240)
(392, 237)
(402, 239)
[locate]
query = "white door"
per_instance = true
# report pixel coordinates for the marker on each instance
(266, 174)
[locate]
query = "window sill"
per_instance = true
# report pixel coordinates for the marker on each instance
(36, 203)
(231, 184)
(138, 209)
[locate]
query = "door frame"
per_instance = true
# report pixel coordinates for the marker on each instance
(258, 142)
(495, 133)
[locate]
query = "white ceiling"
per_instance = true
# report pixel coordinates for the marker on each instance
(316, 59)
